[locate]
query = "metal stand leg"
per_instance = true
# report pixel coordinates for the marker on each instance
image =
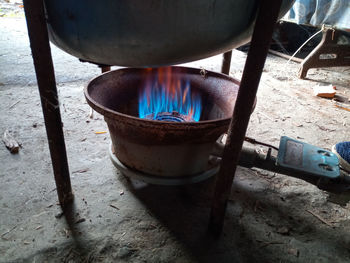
(327, 46)
(105, 68)
(39, 42)
(226, 62)
(267, 16)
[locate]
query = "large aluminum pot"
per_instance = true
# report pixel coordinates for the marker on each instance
(150, 32)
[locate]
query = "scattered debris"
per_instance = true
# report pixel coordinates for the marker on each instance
(253, 141)
(7, 232)
(341, 107)
(294, 252)
(100, 132)
(26, 242)
(38, 227)
(114, 207)
(320, 218)
(121, 192)
(80, 220)
(83, 140)
(268, 117)
(91, 114)
(81, 171)
(10, 142)
(298, 125)
(325, 129)
(14, 104)
(324, 91)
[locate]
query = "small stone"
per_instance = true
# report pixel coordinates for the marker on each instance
(294, 252)
(59, 215)
(283, 230)
(124, 252)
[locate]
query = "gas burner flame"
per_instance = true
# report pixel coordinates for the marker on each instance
(166, 95)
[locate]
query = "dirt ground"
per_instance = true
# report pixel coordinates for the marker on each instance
(270, 217)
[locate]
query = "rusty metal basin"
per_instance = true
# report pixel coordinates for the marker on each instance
(157, 147)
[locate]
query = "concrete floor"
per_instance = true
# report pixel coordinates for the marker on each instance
(269, 216)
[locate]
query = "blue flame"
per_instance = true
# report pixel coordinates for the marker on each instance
(162, 93)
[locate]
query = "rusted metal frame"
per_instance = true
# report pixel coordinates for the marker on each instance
(105, 69)
(226, 62)
(39, 43)
(328, 45)
(266, 19)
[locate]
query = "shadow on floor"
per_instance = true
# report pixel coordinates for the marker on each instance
(184, 210)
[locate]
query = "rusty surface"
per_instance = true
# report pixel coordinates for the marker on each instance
(39, 42)
(339, 55)
(105, 69)
(226, 62)
(115, 95)
(261, 39)
(157, 147)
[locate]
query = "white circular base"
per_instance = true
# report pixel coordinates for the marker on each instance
(161, 180)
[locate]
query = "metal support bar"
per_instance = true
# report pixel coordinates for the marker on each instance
(105, 69)
(340, 54)
(226, 62)
(266, 19)
(39, 43)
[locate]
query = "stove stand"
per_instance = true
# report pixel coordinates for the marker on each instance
(264, 25)
(39, 41)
